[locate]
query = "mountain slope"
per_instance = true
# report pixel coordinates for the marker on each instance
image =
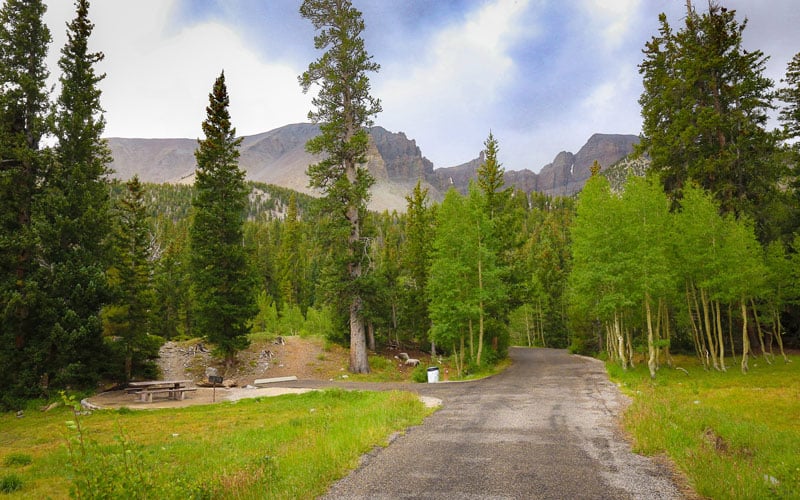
(279, 157)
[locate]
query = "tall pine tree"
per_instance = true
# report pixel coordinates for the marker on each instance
(74, 221)
(416, 258)
(790, 96)
(130, 277)
(223, 289)
(24, 101)
(344, 107)
(705, 105)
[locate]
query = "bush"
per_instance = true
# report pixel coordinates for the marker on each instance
(17, 460)
(380, 363)
(420, 374)
(10, 483)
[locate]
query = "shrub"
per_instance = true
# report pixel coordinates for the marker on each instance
(420, 374)
(17, 460)
(380, 363)
(10, 483)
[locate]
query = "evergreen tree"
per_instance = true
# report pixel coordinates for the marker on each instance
(490, 179)
(545, 261)
(416, 257)
(74, 223)
(223, 289)
(790, 96)
(24, 39)
(171, 285)
(448, 290)
(344, 107)
(705, 105)
(130, 277)
(291, 260)
(506, 239)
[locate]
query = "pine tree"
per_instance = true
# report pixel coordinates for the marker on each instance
(491, 178)
(416, 257)
(223, 289)
(24, 101)
(344, 107)
(505, 240)
(705, 105)
(74, 227)
(291, 260)
(130, 277)
(790, 96)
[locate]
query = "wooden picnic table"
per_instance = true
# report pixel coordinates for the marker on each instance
(174, 389)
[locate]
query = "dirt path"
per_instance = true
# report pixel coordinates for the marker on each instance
(546, 428)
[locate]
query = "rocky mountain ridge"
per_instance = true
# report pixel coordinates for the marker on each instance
(279, 157)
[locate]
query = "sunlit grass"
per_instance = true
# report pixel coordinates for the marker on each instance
(291, 446)
(733, 435)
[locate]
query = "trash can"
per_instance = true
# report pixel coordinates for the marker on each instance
(433, 374)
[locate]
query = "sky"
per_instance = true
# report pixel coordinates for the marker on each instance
(541, 75)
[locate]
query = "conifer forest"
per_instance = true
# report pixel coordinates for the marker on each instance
(700, 255)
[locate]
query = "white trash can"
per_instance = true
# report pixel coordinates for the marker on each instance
(433, 374)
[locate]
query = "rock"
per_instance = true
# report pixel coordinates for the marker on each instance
(228, 383)
(279, 157)
(50, 406)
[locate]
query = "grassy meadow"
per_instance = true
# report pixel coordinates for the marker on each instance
(731, 435)
(291, 446)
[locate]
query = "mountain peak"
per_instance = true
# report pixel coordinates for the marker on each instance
(397, 163)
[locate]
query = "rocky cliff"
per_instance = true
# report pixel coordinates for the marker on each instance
(279, 157)
(568, 172)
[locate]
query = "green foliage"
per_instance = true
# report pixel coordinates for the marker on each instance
(308, 442)
(464, 282)
(343, 108)
(733, 436)
(74, 223)
(705, 105)
(790, 95)
(17, 460)
(266, 320)
(491, 179)
(126, 318)
(223, 289)
(379, 363)
(24, 40)
(420, 374)
(114, 471)
(414, 262)
(9, 483)
(542, 266)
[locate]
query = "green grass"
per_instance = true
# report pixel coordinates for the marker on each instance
(732, 435)
(291, 446)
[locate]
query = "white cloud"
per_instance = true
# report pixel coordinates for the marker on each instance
(158, 78)
(455, 82)
(615, 18)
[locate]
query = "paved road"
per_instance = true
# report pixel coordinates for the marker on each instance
(545, 428)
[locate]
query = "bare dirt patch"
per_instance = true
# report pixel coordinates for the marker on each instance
(307, 359)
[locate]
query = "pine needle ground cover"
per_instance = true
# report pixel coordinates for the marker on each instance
(291, 446)
(732, 435)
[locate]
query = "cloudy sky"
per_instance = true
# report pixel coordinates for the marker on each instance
(542, 75)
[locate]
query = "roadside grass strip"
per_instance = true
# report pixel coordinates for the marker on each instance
(732, 435)
(292, 446)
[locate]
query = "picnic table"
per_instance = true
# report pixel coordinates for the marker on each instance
(146, 389)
